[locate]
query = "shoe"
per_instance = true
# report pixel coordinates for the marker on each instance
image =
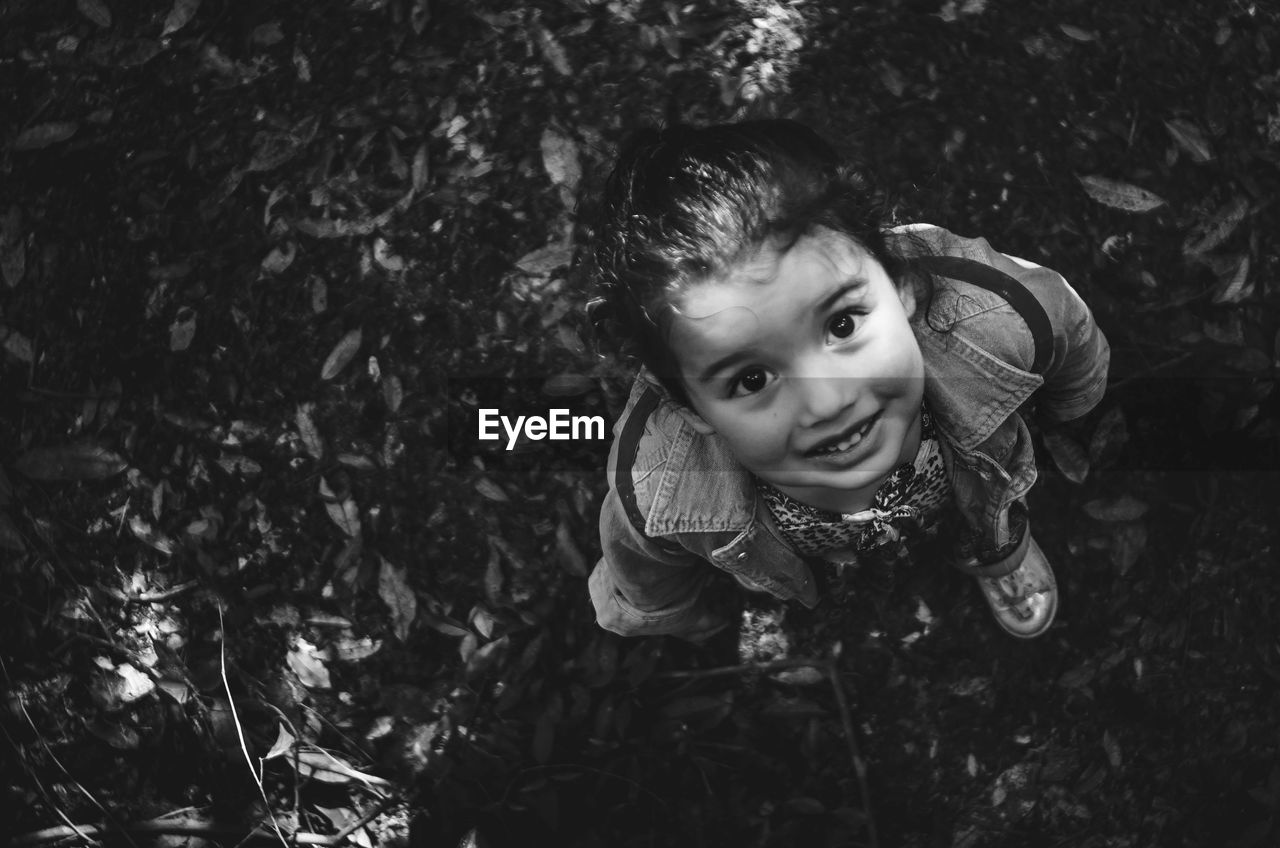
(1025, 600)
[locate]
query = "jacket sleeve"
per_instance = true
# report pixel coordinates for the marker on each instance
(648, 587)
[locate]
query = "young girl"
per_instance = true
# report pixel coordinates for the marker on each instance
(816, 386)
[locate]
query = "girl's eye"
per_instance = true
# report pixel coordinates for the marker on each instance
(843, 325)
(749, 382)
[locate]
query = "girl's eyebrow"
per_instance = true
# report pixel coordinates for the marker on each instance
(824, 305)
(832, 299)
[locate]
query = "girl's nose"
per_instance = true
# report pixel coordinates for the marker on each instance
(822, 399)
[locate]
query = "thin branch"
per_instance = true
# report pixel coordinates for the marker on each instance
(222, 646)
(1147, 372)
(851, 739)
(157, 596)
(175, 827)
(745, 668)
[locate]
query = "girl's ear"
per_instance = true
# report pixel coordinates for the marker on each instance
(694, 420)
(907, 294)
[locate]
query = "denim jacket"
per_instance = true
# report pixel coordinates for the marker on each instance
(686, 502)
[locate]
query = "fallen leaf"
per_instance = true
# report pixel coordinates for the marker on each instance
(311, 439)
(343, 512)
(1068, 455)
(145, 533)
(552, 51)
(891, 78)
(1130, 542)
(96, 11)
(1232, 286)
(179, 16)
(1218, 228)
(1112, 747)
(392, 393)
(568, 385)
(308, 663)
(354, 650)
(82, 461)
(1076, 33)
(342, 354)
(280, 258)
(546, 259)
(394, 589)
(1109, 439)
(282, 745)
(1123, 508)
(568, 554)
(560, 158)
(1119, 195)
(43, 135)
(183, 330)
(491, 490)
(17, 345)
(805, 675)
(385, 258)
(1190, 138)
(419, 171)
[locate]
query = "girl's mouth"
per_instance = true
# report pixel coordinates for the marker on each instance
(848, 442)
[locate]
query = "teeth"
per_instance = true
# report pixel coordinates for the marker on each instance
(853, 440)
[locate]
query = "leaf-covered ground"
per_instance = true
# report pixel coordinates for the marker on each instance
(262, 263)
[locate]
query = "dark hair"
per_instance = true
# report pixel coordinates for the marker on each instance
(686, 203)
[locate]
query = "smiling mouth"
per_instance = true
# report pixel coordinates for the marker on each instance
(845, 441)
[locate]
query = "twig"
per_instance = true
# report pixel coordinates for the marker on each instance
(157, 596)
(176, 827)
(859, 764)
(1147, 372)
(378, 809)
(244, 748)
(745, 668)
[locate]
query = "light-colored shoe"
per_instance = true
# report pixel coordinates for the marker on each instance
(1025, 600)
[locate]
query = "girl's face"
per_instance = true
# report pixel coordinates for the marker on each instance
(804, 362)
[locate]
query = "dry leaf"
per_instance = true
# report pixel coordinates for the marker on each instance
(311, 439)
(96, 11)
(560, 157)
(82, 461)
(179, 16)
(1123, 508)
(1118, 195)
(1130, 541)
(43, 135)
(1112, 747)
(183, 329)
(891, 78)
(283, 744)
(1232, 286)
(17, 345)
(342, 354)
(570, 557)
(1109, 439)
(1068, 455)
(385, 258)
(1218, 228)
(491, 490)
(392, 393)
(420, 168)
(308, 663)
(354, 650)
(394, 589)
(1076, 33)
(280, 258)
(1189, 137)
(343, 512)
(552, 51)
(568, 385)
(546, 259)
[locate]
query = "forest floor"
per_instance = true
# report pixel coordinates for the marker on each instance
(262, 263)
